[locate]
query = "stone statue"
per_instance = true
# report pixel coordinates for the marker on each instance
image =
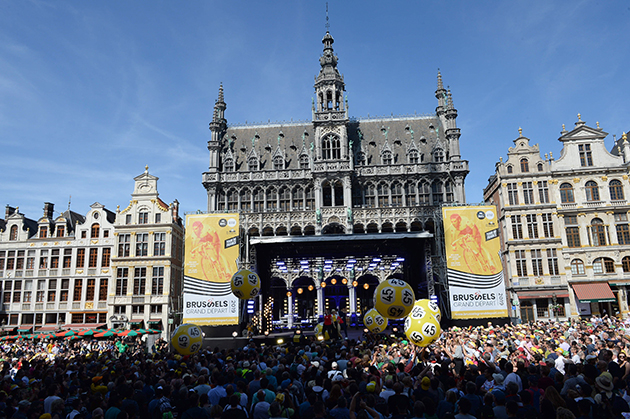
(318, 215)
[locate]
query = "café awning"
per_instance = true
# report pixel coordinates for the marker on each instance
(596, 292)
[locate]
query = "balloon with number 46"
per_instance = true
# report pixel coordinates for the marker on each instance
(394, 298)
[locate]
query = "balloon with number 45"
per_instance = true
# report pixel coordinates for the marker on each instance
(374, 321)
(394, 298)
(187, 339)
(422, 326)
(245, 284)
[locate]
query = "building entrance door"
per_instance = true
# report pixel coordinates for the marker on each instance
(527, 311)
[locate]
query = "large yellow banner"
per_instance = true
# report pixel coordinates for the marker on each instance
(475, 273)
(211, 247)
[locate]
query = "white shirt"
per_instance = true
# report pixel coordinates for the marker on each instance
(560, 364)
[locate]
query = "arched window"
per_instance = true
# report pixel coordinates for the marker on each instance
(410, 194)
(298, 198)
(252, 164)
(331, 147)
(577, 267)
(397, 195)
(437, 197)
(414, 157)
(259, 200)
(424, 193)
(524, 165)
(327, 191)
(232, 200)
(221, 200)
(540, 167)
(370, 196)
(603, 265)
(566, 193)
(448, 188)
(382, 191)
(246, 200)
(625, 263)
(285, 199)
(510, 169)
(616, 190)
(278, 163)
(272, 199)
(387, 157)
(309, 195)
(229, 165)
(304, 161)
(438, 155)
(598, 231)
(592, 191)
(95, 231)
(13, 233)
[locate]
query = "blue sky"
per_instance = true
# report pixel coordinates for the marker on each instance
(91, 92)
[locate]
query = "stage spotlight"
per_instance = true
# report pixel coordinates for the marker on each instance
(234, 334)
(366, 285)
(395, 329)
(355, 283)
(266, 332)
(365, 330)
(297, 332)
(280, 341)
(310, 288)
(333, 281)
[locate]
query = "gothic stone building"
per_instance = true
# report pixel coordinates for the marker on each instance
(331, 207)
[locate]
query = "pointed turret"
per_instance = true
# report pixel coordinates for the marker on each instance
(218, 125)
(329, 85)
(626, 147)
(440, 94)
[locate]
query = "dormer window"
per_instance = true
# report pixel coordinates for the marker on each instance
(414, 157)
(43, 232)
(229, 165)
(278, 163)
(304, 161)
(438, 155)
(61, 230)
(252, 164)
(387, 157)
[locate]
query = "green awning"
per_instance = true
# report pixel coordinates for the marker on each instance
(136, 323)
(154, 321)
(25, 330)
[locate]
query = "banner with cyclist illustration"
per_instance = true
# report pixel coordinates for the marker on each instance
(210, 260)
(475, 272)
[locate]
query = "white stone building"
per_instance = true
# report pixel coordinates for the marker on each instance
(566, 242)
(147, 260)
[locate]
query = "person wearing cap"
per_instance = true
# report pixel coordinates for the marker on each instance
(334, 372)
(559, 363)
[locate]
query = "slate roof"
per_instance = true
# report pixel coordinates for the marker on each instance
(372, 135)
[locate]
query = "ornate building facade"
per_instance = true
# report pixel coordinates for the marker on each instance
(104, 268)
(566, 239)
(331, 206)
(147, 260)
(56, 271)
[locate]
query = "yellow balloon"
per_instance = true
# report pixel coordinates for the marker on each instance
(374, 321)
(422, 328)
(429, 307)
(319, 331)
(187, 339)
(245, 284)
(394, 298)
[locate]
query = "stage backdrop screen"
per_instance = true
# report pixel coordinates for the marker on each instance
(211, 252)
(475, 273)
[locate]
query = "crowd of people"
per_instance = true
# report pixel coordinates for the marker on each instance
(573, 369)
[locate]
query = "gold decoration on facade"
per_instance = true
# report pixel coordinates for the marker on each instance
(576, 180)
